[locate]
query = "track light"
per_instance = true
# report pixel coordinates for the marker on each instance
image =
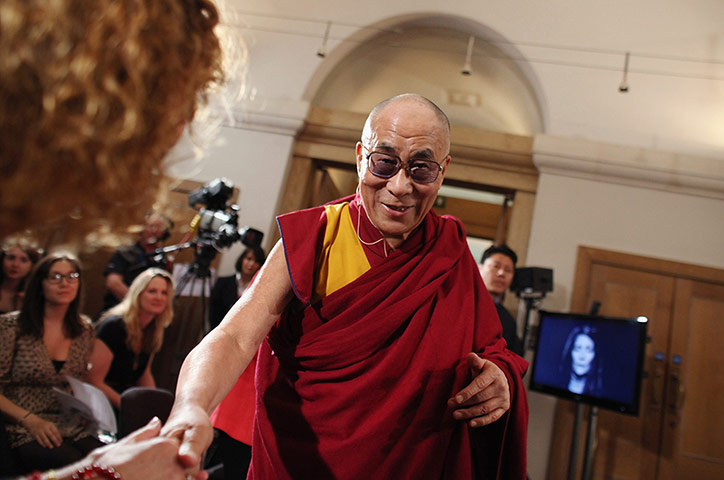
(623, 86)
(467, 67)
(322, 52)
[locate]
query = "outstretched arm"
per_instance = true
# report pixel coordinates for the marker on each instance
(212, 368)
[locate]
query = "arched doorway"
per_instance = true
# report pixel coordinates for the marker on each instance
(495, 112)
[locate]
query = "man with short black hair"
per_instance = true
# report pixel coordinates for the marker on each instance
(497, 267)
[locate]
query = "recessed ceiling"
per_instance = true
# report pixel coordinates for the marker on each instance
(427, 60)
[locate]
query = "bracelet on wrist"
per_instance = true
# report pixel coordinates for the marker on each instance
(94, 471)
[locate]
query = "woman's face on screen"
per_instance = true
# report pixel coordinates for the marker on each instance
(583, 353)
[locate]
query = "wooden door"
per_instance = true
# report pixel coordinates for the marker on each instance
(693, 427)
(679, 433)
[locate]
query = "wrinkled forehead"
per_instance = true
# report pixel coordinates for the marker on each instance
(406, 120)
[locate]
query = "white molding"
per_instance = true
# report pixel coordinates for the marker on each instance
(606, 162)
(271, 115)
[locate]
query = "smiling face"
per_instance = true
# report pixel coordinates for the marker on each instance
(62, 293)
(582, 354)
(409, 129)
(16, 264)
(154, 297)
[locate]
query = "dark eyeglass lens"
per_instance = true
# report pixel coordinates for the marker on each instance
(423, 171)
(384, 166)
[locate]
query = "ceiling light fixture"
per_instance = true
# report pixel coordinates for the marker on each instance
(322, 52)
(467, 67)
(623, 86)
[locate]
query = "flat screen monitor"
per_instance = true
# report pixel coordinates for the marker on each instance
(593, 359)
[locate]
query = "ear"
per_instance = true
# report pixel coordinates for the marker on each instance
(445, 163)
(358, 151)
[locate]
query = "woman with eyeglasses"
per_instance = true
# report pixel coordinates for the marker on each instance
(129, 335)
(47, 340)
(17, 258)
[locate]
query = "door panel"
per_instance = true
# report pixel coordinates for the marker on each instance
(628, 446)
(693, 443)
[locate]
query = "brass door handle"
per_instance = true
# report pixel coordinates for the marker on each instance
(676, 386)
(677, 392)
(657, 393)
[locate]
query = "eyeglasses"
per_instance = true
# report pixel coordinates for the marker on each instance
(56, 278)
(385, 165)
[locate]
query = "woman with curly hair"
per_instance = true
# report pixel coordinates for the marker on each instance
(99, 91)
(47, 340)
(17, 258)
(93, 95)
(129, 334)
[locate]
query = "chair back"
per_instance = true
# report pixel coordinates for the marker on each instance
(139, 405)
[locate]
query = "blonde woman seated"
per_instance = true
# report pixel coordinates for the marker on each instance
(129, 334)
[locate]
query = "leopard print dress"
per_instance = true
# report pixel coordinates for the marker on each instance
(27, 377)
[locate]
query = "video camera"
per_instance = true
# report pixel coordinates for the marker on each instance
(218, 220)
(217, 223)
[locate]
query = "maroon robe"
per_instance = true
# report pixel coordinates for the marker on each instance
(356, 385)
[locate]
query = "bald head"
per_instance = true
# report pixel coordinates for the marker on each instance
(414, 98)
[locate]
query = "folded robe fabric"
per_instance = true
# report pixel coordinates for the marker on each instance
(355, 384)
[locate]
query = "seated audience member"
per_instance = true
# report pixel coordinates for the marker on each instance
(17, 258)
(129, 334)
(227, 290)
(93, 140)
(129, 261)
(40, 345)
(497, 267)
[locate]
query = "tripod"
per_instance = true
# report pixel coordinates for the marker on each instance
(531, 299)
(186, 331)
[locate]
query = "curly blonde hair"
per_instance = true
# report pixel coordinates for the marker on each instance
(150, 339)
(93, 94)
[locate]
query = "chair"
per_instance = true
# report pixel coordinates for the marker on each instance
(8, 465)
(139, 405)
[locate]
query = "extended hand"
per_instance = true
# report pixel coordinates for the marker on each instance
(142, 455)
(45, 433)
(191, 427)
(486, 398)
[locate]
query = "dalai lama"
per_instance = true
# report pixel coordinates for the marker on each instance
(378, 346)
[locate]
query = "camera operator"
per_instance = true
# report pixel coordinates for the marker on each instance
(129, 261)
